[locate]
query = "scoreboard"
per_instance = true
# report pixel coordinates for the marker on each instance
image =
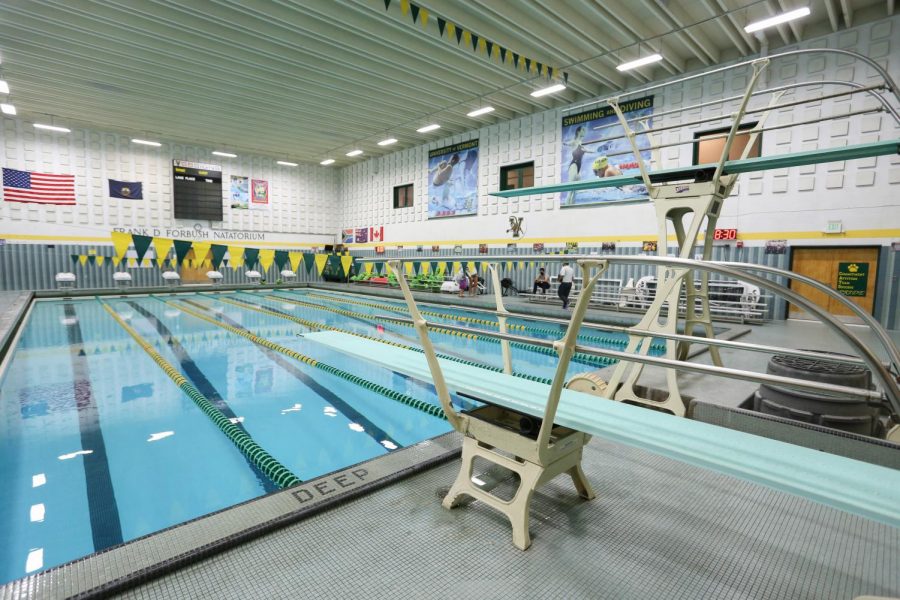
(197, 190)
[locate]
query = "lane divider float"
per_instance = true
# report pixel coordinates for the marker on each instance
(597, 339)
(588, 359)
(265, 462)
(426, 407)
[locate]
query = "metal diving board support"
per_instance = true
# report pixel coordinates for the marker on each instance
(494, 433)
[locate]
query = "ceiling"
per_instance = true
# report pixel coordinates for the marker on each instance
(307, 80)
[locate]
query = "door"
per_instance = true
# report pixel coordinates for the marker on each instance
(851, 271)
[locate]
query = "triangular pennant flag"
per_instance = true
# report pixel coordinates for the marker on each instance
(235, 256)
(442, 25)
(482, 45)
(387, 4)
(281, 259)
(471, 266)
(527, 65)
(509, 265)
(141, 244)
(367, 267)
(75, 259)
(414, 11)
(502, 54)
(515, 60)
(146, 263)
(346, 261)
(162, 247)
(217, 252)
(467, 37)
(201, 252)
(489, 45)
(451, 29)
(404, 7)
(474, 39)
(540, 68)
(551, 73)
(321, 259)
(434, 267)
(83, 259)
(265, 259)
(132, 263)
(101, 260)
(250, 256)
(309, 261)
(296, 258)
(121, 241)
(409, 268)
(417, 267)
(455, 268)
(182, 247)
(424, 13)
(565, 77)
(379, 267)
(423, 268)
(116, 260)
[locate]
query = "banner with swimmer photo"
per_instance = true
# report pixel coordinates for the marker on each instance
(589, 153)
(453, 180)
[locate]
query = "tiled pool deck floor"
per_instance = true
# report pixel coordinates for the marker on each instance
(658, 528)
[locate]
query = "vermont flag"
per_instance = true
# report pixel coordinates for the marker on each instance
(129, 190)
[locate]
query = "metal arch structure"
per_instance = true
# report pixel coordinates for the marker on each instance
(689, 200)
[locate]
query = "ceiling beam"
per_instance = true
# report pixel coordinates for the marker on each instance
(748, 39)
(832, 15)
(782, 28)
(796, 25)
(691, 37)
(847, 10)
(727, 28)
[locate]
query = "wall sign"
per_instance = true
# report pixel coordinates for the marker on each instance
(453, 180)
(853, 278)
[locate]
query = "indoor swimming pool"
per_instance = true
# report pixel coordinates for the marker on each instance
(122, 416)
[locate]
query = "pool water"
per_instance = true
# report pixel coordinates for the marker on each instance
(100, 444)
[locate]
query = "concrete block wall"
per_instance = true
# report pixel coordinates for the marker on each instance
(792, 204)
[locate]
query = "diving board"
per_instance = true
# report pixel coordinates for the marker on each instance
(731, 167)
(852, 486)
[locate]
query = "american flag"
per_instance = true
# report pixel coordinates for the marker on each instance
(43, 188)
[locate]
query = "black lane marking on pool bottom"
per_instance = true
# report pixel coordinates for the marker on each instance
(193, 372)
(106, 528)
(353, 415)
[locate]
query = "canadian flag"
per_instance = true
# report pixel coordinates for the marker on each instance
(376, 234)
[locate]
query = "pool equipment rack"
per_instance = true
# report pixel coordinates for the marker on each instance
(685, 199)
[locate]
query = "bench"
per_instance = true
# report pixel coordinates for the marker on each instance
(606, 292)
(852, 486)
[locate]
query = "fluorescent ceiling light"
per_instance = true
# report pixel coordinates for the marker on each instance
(286, 163)
(428, 128)
(639, 62)
(327, 161)
(8, 109)
(145, 142)
(481, 111)
(225, 154)
(387, 142)
(777, 20)
(548, 90)
(4, 87)
(354, 153)
(51, 128)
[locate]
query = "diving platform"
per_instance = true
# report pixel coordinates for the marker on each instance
(852, 486)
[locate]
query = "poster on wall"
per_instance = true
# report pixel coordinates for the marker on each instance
(588, 153)
(453, 180)
(852, 278)
(240, 192)
(260, 196)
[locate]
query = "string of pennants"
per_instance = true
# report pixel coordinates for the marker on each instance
(480, 44)
(415, 268)
(201, 254)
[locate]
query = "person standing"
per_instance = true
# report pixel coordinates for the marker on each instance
(565, 278)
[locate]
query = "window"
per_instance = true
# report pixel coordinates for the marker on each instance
(517, 176)
(709, 145)
(403, 196)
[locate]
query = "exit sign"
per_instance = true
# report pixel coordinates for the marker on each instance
(834, 227)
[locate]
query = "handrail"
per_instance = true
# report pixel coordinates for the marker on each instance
(882, 374)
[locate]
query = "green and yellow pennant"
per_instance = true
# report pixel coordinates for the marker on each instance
(480, 44)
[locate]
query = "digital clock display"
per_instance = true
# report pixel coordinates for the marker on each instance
(725, 235)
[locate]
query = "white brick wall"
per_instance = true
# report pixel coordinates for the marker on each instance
(862, 193)
(303, 199)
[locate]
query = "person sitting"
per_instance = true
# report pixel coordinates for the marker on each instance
(541, 281)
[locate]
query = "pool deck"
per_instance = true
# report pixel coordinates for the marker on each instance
(658, 527)
(12, 307)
